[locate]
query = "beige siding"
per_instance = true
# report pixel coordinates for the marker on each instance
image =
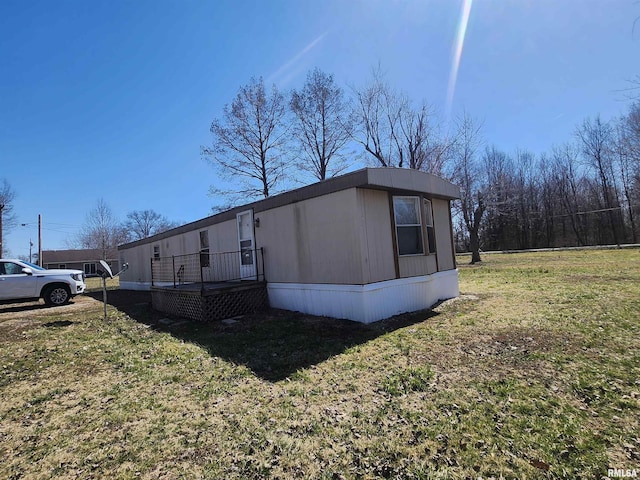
(442, 229)
(312, 241)
(139, 260)
(178, 245)
(330, 232)
(376, 236)
(416, 265)
(223, 237)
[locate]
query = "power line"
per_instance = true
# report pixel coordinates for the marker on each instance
(594, 211)
(57, 231)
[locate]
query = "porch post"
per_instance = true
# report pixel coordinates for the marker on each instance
(201, 274)
(264, 277)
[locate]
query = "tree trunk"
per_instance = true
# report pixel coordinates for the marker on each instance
(474, 246)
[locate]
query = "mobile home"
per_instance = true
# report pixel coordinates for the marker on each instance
(363, 246)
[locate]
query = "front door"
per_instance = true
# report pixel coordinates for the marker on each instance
(246, 243)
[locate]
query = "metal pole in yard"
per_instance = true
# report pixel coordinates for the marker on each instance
(104, 295)
(40, 262)
(1, 209)
(151, 260)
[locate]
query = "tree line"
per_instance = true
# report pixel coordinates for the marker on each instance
(102, 230)
(584, 192)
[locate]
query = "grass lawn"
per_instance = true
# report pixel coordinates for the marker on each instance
(534, 372)
(95, 283)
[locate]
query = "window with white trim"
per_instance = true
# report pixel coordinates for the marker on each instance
(90, 268)
(428, 222)
(406, 213)
(156, 252)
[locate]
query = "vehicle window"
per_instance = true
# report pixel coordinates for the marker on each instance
(8, 268)
(34, 267)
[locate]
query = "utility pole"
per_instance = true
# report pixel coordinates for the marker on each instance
(39, 240)
(1, 209)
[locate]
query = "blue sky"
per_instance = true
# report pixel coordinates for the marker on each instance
(113, 99)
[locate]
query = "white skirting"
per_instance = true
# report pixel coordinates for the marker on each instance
(365, 303)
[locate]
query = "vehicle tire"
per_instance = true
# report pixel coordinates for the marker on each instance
(57, 295)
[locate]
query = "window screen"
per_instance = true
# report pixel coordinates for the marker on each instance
(428, 216)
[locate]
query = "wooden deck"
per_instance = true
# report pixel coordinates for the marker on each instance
(210, 301)
(213, 287)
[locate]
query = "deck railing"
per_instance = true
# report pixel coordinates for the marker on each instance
(204, 267)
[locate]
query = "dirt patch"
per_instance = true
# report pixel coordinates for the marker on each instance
(518, 342)
(518, 352)
(28, 310)
(15, 318)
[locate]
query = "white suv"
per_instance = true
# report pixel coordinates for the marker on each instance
(21, 280)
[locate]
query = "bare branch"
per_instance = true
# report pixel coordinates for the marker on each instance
(323, 125)
(102, 230)
(249, 139)
(145, 223)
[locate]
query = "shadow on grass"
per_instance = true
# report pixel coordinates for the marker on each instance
(272, 344)
(23, 307)
(59, 323)
(27, 306)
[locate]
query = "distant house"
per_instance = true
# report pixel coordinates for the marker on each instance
(364, 246)
(86, 260)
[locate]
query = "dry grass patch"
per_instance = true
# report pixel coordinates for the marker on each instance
(527, 375)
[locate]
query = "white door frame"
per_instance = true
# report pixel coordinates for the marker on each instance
(246, 246)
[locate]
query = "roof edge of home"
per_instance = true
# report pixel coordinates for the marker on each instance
(395, 179)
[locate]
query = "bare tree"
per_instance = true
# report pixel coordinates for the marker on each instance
(548, 192)
(396, 133)
(528, 201)
(633, 90)
(630, 125)
(145, 223)
(101, 230)
(7, 216)
(470, 176)
(323, 124)
(248, 140)
(420, 144)
(570, 187)
(595, 138)
(502, 225)
(627, 154)
(378, 120)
